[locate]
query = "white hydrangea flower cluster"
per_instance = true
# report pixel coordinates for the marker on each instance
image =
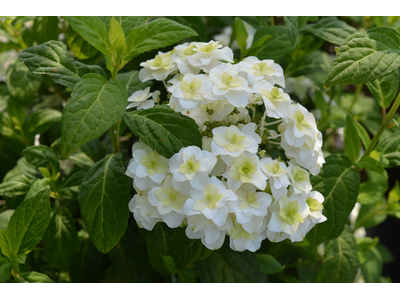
(229, 187)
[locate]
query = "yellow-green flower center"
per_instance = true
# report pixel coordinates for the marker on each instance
(262, 68)
(230, 82)
(290, 213)
(153, 164)
(170, 197)
(300, 121)
(212, 196)
(191, 89)
(160, 62)
(250, 201)
(314, 204)
(237, 232)
(191, 165)
(300, 174)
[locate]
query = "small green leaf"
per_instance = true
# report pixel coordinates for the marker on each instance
(363, 134)
(268, 264)
(127, 23)
(81, 48)
(81, 159)
(341, 261)
(352, 143)
(372, 165)
(5, 218)
(52, 58)
(156, 34)
(371, 262)
(276, 46)
(19, 185)
(196, 23)
(366, 56)
(369, 193)
(95, 106)
(170, 264)
(93, 30)
(226, 265)
(258, 45)
(33, 277)
(330, 29)
(313, 63)
(339, 184)
(103, 199)
(385, 89)
(61, 240)
(390, 149)
(241, 35)
(163, 129)
(5, 268)
(291, 28)
(132, 82)
(40, 121)
(28, 223)
(21, 83)
(42, 156)
(117, 37)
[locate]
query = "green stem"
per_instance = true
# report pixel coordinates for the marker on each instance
(114, 72)
(272, 21)
(262, 124)
(114, 138)
(383, 126)
(356, 94)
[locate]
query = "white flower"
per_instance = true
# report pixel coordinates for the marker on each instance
(287, 214)
(140, 98)
(146, 215)
(169, 202)
(250, 204)
(244, 169)
(277, 174)
(267, 70)
(299, 178)
(192, 164)
(147, 167)
(210, 201)
(314, 201)
(275, 100)
(158, 68)
(192, 90)
(233, 142)
(241, 240)
(228, 84)
(209, 55)
(180, 57)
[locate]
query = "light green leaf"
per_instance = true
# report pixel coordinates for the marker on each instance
(352, 143)
(81, 159)
(117, 37)
(5, 218)
(385, 89)
(241, 35)
(371, 262)
(390, 149)
(93, 30)
(5, 268)
(268, 264)
(366, 56)
(28, 224)
(127, 23)
(94, 150)
(27, 169)
(156, 34)
(339, 184)
(371, 164)
(363, 134)
(103, 199)
(369, 193)
(52, 58)
(41, 156)
(313, 63)
(307, 45)
(226, 265)
(163, 129)
(61, 240)
(132, 82)
(81, 48)
(95, 106)
(21, 83)
(341, 261)
(19, 185)
(275, 47)
(33, 277)
(291, 24)
(258, 45)
(196, 23)
(330, 29)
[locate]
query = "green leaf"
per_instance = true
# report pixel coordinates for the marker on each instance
(241, 35)
(256, 22)
(384, 89)
(94, 150)
(275, 47)
(132, 82)
(330, 29)
(313, 63)
(163, 129)
(41, 120)
(93, 30)
(340, 263)
(42, 156)
(19, 185)
(156, 34)
(70, 188)
(390, 149)
(28, 223)
(127, 23)
(45, 29)
(364, 245)
(371, 262)
(372, 165)
(103, 199)
(258, 45)
(117, 37)
(170, 264)
(352, 143)
(268, 264)
(5, 218)
(21, 83)
(291, 24)
(81, 48)
(363, 134)
(226, 265)
(369, 193)
(52, 58)
(81, 159)
(95, 106)
(33, 277)
(5, 268)
(61, 240)
(307, 45)
(194, 22)
(339, 184)
(372, 215)
(366, 56)
(30, 171)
